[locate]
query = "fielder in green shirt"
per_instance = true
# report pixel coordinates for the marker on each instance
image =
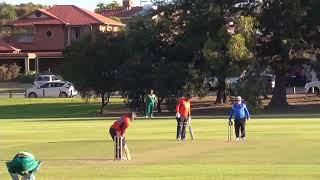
(23, 164)
(151, 100)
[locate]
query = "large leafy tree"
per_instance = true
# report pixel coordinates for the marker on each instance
(289, 30)
(92, 64)
(228, 56)
(198, 30)
(112, 5)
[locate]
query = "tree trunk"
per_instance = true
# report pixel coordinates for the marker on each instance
(279, 97)
(105, 98)
(159, 105)
(221, 92)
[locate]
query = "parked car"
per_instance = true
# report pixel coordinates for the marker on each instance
(315, 85)
(52, 89)
(269, 81)
(296, 80)
(41, 79)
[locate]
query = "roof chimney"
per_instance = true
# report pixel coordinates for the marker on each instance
(127, 4)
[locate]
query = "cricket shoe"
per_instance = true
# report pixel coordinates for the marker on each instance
(178, 139)
(237, 139)
(244, 139)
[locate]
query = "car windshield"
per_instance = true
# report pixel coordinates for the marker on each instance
(46, 79)
(39, 79)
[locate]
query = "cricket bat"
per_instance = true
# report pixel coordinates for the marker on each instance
(126, 150)
(191, 132)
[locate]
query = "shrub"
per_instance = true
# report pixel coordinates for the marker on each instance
(28, 78)
(3, 71)
(9, 72)
(171, 102)
(14, 71)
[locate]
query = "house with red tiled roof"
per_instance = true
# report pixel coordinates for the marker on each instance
(37, 40)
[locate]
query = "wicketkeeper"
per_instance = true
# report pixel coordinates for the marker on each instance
(119, 128)
(241, 115)
(23, 164)
(183, 116)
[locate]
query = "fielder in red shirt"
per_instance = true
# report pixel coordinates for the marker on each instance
(119, 128)
(183, 115)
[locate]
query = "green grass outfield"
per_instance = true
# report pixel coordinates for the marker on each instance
(73, 144)
(80, 149)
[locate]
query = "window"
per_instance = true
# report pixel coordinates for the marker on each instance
(57, 84)
(45, 85)
(23, 35)
(39, 79)
(49, 33)
(77, 32)
(46, 79)
(38, 14)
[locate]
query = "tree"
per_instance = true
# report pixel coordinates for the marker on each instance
(198, 27)
(108, 6)
(92, 64)
(7, 12)
(113, 5)
(229, 56)
(288, 31)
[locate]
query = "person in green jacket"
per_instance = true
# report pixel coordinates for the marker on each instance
(23, 164)
(151, 99)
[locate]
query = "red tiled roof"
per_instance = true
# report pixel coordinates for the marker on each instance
(13, 55)
(49, 54)
(33, 21)
(5, 47)
(65, 14)
(76, 16)
(33, 54)
(121, 12)
(50, 14)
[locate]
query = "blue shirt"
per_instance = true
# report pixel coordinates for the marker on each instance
(239, 111)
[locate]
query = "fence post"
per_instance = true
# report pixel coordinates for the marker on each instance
(43, 93)
(294, 90)
(10, 93)
(71, 94)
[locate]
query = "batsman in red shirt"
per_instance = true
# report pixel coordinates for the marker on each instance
(119, 129)
(183, 115)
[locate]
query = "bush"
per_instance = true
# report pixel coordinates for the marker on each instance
(171, 102)
(9, 72)
(28, 78)
(14, 71)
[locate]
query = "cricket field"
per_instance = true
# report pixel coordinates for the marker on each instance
(75, 148)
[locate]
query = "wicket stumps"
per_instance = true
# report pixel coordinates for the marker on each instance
(118, 148)
(229, 132)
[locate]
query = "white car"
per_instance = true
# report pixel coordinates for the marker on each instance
(41, 79)
(52, 89)
(315, 85)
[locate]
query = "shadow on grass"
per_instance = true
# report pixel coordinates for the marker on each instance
(89, 111)
(53, 110)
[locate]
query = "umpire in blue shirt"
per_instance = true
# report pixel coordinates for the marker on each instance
(241, 115)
